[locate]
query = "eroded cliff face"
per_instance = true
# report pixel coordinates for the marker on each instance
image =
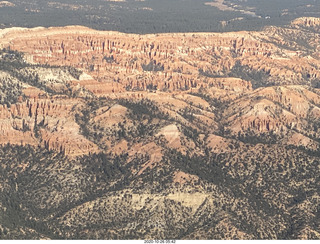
(45, 122)
(306, 22)
(174, 61)
(240, 83)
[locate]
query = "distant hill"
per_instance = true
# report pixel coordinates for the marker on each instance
(157, 16)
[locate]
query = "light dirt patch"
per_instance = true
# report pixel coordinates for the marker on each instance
(220, 5)
(223, 7)
(85, 76)
(193, 200)
(33, 92)
(111, 116)
(298, 139)
(171, 133)
(6, 4)
(182, 177)
(218, 144)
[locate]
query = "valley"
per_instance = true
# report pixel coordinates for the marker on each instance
(108, 135)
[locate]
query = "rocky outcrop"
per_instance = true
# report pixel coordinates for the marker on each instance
(47, 123)
(264, 78)
(169, 61)
(260, 116)
(306, 22)
(295, 99)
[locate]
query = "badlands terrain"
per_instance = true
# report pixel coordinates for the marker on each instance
(106, 135)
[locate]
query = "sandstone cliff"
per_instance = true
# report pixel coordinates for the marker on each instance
(244, 82)
(49, 123)
(171, 61)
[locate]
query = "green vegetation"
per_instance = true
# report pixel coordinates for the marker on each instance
(257, 78)
(153, 66)
(60, 184)
(155, 17)
(263, 197)
(17, 71)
